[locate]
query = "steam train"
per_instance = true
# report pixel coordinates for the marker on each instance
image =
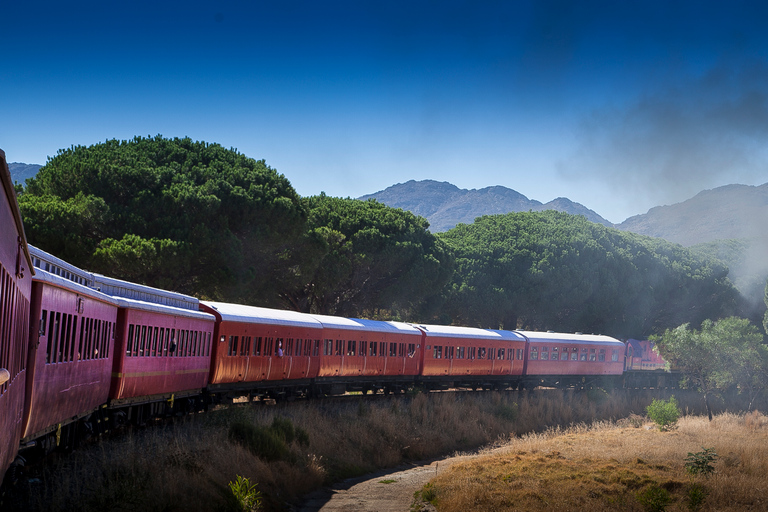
(81, 352)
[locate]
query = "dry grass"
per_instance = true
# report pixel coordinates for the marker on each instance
(188, 465)
(606, 466)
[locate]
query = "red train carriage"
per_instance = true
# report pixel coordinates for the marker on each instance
(15, 289)
(471, 357)
(368, 355)
(262, 350)
(557, 359)
(70, 356)
(162, 353)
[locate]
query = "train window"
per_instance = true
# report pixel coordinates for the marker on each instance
(53, 334)
(373, 349)
(298, 347)
(83, 326)
(279, 347)
(412, 350)
(574, 354)
(328, 348)
(245, 347)
(438, 352)
(480, 353)
(316, 348)
(520, 354)
(363, 348)
(351, 347)
(155, 332)
(591, 354)
(555, 354)
(393, 350)
(472, 352)
(583, 355)
(601, 355)
(129, 347)
(501, 353)
(257, 345)
(460, 352)
(339, 347)
(288, 347)
(382, 349)
(615, 355)
(564, 354)
(401, 349)
(143, 341)
(544, 353)
(534, 353)
(43, 318)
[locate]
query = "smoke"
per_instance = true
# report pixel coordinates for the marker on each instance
(678, 139)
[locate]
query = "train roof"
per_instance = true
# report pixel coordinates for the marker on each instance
(144, 293)
(560, 337)
(10, 194)
(162, 308)
(62, 282)
(357, 324)
(454, 331)
(49, 263)
(242, 313)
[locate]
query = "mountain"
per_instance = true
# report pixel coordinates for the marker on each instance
(444, 205)
(732, 211)
(21, 172)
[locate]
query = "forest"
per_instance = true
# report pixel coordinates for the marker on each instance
(197, 218)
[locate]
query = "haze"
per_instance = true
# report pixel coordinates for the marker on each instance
(620, 106)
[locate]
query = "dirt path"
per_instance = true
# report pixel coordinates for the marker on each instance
(386, 491)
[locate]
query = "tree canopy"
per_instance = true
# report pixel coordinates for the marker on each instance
(174, 213)
(551, 270)
(361, 257)
(724, 353)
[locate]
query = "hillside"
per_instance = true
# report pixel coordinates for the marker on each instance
(21, 172)
(445, 205)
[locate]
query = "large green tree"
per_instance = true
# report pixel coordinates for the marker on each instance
(173, 213)
(362, 258)
(551, 270)
(724, 353)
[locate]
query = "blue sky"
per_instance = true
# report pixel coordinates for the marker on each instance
(620, 106)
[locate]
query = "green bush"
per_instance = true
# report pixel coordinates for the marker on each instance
(248, 498)
(664, 413)
(700, 463)
(654, 499)
(697, 494)
(261, 441)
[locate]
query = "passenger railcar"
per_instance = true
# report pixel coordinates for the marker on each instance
(642, 355)
(162, 353)
(15, 291)
(70, 355)
(558, 359)
(367, 355)
(262, 350)
(471, 357)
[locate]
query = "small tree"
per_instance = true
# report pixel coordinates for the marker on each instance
(715, 357)
(663, 413)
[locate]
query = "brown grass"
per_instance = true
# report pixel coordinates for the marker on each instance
(606, 466)
(188, 465)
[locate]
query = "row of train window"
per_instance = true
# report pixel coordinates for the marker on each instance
(14, 327)
(269, 346)
(368, 349)
(91, 340)
(574, 354)
(153, 341)
(266, 346)
(449, 352)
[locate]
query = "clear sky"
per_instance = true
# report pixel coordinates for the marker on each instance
(618, 105)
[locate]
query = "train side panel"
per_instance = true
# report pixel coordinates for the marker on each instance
(15, 293)
(71, 350)
(159, 351)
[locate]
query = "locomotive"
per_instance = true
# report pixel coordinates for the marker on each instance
(81, 353)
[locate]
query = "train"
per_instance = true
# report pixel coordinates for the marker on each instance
(82, 353)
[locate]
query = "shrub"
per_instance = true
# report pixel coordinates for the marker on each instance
(664, 413)
(248, 498)
(261, 441)
(697, 494)
(700, 463)
(654, 499)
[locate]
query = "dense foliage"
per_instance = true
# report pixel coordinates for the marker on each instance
(365, 258)
(173, 213)
(551, 270)
(722, 354)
